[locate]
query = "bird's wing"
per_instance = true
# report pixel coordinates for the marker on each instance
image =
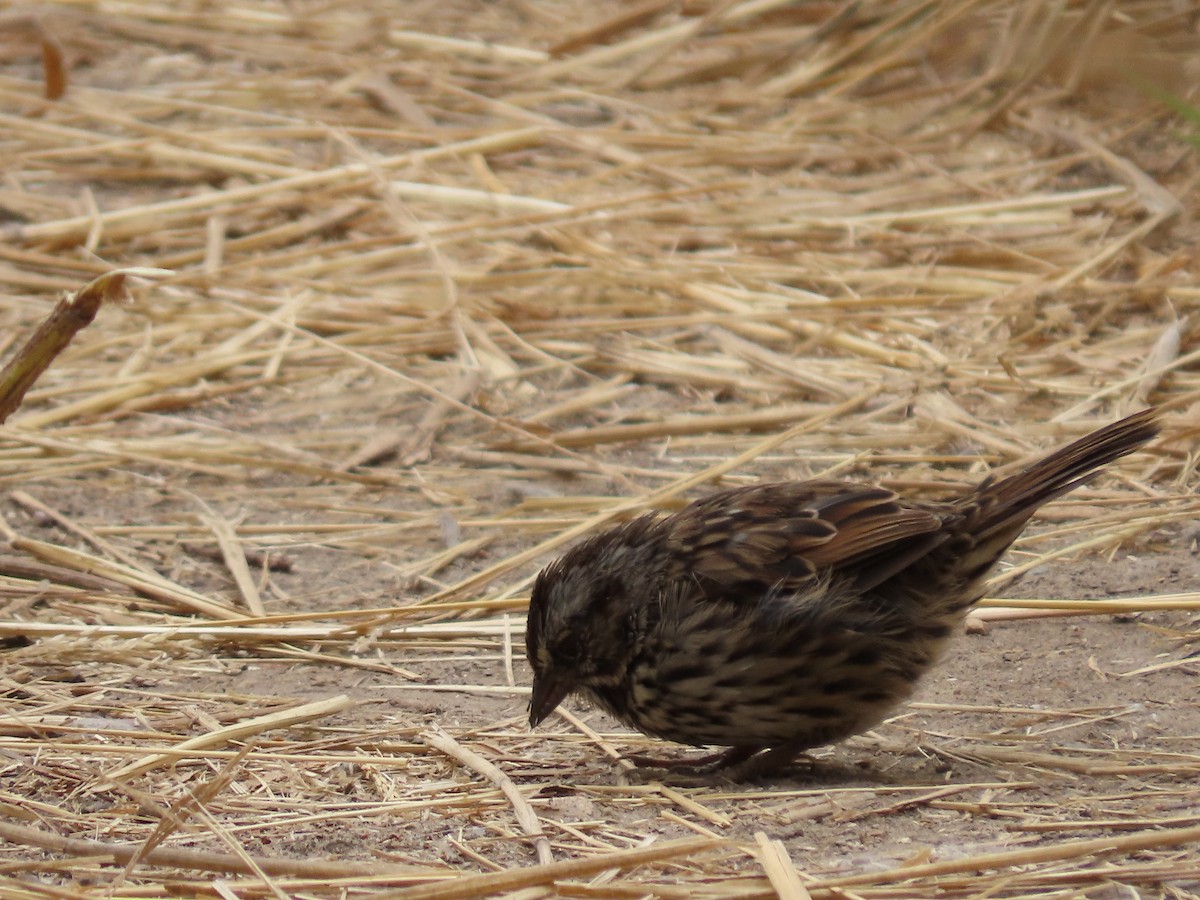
(781, 537)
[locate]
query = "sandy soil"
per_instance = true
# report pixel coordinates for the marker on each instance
(628, 260)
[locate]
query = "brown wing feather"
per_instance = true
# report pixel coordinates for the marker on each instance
(792, 533)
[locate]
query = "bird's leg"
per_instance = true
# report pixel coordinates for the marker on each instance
(709, 762)
(762, 764)
(733, 765)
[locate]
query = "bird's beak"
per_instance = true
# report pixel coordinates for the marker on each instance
(549, 689)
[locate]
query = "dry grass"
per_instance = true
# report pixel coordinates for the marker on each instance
(454, 283)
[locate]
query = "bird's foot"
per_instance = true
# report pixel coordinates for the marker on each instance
(718, 760)
(733, 765)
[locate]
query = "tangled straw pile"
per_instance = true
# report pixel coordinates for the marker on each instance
(456, 282)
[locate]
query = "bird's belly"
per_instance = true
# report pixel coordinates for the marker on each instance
(772, 689)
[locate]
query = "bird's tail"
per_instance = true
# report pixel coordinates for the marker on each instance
(947, 580)
(1010, 501)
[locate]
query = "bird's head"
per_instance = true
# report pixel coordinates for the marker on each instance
(583, 614)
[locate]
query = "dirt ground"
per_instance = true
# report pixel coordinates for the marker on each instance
(1003, 731)
(441, 286)
(1058, 725)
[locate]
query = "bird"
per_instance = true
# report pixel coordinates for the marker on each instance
(778, 617)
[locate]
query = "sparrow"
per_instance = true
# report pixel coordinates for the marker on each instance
(779, 617)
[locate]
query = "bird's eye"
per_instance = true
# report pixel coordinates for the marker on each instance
(568, 649)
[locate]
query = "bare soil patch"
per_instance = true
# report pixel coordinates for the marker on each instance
(454, 284)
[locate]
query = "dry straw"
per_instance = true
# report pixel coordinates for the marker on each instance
(454, 286)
